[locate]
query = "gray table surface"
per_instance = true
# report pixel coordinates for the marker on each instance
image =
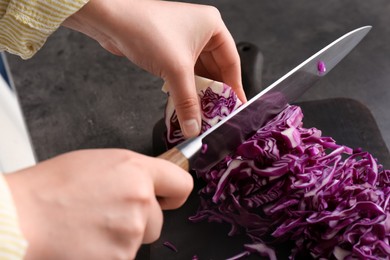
(76, 95)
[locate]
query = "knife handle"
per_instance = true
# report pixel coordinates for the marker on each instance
(175, 156)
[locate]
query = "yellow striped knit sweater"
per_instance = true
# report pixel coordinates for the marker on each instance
(25, 24)
(24, 28)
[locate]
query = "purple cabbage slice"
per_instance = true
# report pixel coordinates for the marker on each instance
(217, 100)
(290, 183)
(171, 246)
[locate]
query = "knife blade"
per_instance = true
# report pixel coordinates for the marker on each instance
(203, 152)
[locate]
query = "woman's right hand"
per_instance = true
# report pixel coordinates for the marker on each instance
(95, 204)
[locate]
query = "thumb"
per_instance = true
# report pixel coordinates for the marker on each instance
(182, 90)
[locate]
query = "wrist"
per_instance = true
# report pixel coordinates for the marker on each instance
(89, 20)
(101, 20)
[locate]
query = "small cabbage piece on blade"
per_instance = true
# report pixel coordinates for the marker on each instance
(290, 183)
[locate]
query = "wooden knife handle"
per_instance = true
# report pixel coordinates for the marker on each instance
(175, 156)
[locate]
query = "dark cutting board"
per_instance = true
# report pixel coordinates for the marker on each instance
(348, 121)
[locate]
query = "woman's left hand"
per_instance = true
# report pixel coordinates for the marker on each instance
(171, 40)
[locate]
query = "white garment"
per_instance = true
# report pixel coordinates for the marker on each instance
(16, 151)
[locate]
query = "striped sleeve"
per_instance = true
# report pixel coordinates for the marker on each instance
(12, 242)
(26, 24)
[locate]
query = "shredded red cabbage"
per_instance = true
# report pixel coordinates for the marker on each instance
(321, 67)
(289, 183)
(170, 246)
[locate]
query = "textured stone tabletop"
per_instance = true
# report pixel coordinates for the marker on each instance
(76, 95)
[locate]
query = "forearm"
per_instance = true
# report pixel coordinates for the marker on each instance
(25, 25)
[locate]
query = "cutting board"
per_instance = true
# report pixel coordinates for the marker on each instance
(348, 121)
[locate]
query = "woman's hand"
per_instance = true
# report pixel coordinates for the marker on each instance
(95, 204)
(169, 39)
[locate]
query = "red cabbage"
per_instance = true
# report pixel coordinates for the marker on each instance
(217, 101)
(290, 183)
(170, 246)
(321, 67)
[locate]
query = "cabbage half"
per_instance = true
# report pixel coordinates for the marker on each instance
(290, 183)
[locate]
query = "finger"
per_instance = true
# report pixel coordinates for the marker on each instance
(210, 66)
(172, 184)
(154, 223)
(185, 99)
(225, 54)
(128, 231)
(200, 70)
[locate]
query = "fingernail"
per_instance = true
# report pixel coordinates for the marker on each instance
(191, 128)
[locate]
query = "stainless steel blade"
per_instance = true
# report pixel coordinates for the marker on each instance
(223, 138)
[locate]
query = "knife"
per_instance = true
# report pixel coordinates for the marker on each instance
(202, 152)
